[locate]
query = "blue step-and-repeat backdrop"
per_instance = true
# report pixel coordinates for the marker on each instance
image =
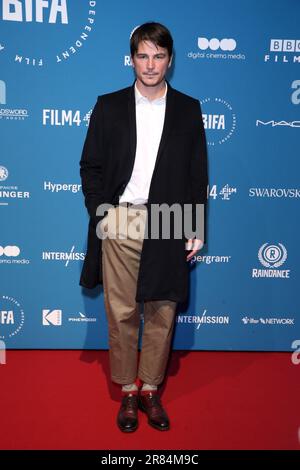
(241, 59)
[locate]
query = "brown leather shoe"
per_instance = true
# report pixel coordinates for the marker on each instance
(150, 403)
(127, 419)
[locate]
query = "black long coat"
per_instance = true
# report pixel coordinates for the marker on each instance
(179, 176)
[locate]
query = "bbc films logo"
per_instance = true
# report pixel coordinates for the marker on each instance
(10, 114)
(219, 120)
(11, 317)
(68, 23)
(272, 257)
(216, 49)
(283, 51)
(10, 193)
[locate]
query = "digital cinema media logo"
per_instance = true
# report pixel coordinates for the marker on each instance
(68, 24)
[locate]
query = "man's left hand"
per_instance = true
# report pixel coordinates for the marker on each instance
(195, 245)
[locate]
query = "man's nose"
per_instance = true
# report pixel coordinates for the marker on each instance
(150, 63)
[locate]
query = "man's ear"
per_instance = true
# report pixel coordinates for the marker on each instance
(170, 61)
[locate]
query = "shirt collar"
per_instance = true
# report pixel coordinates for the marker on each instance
(139, 98)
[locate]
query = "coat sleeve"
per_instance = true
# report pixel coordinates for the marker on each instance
(199, 173)
(91, 163)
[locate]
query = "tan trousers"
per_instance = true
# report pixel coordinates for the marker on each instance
(121, 259)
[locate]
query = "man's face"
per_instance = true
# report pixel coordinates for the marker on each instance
(151, 63)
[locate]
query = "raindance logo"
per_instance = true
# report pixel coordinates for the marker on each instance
(68, 24)
(272, 257)
(219, 120)
(11, 317)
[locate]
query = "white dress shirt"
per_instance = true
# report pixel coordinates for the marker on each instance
(150, 116)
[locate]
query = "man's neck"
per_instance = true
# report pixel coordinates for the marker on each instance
(152, 93)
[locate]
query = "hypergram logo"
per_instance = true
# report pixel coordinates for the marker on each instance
(68, 23)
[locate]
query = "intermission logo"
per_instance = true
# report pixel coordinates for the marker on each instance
(219, 120)
(283, 51)
(268, 321)
(272, 257)
(67, 23)
(11, 114)
(11, 255)
(204, 319)
(61, 187)
(11, 317)
(7, 192)
(65, 117)
(216, 49)
(295, 97)
(278, 193)
(72, 255)
(225, 192)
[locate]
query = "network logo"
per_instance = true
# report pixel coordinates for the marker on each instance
(214, 44)
(2, 92)
(52, 317)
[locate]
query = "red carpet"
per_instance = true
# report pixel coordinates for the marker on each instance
(216, 400)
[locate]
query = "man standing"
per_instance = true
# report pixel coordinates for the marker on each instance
(145, 146)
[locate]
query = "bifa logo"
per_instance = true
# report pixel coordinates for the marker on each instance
(39, 11)
(11, 317)
(52, 317)
(7, 317)
(219, 120)
(74, 19)
(2, 92)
